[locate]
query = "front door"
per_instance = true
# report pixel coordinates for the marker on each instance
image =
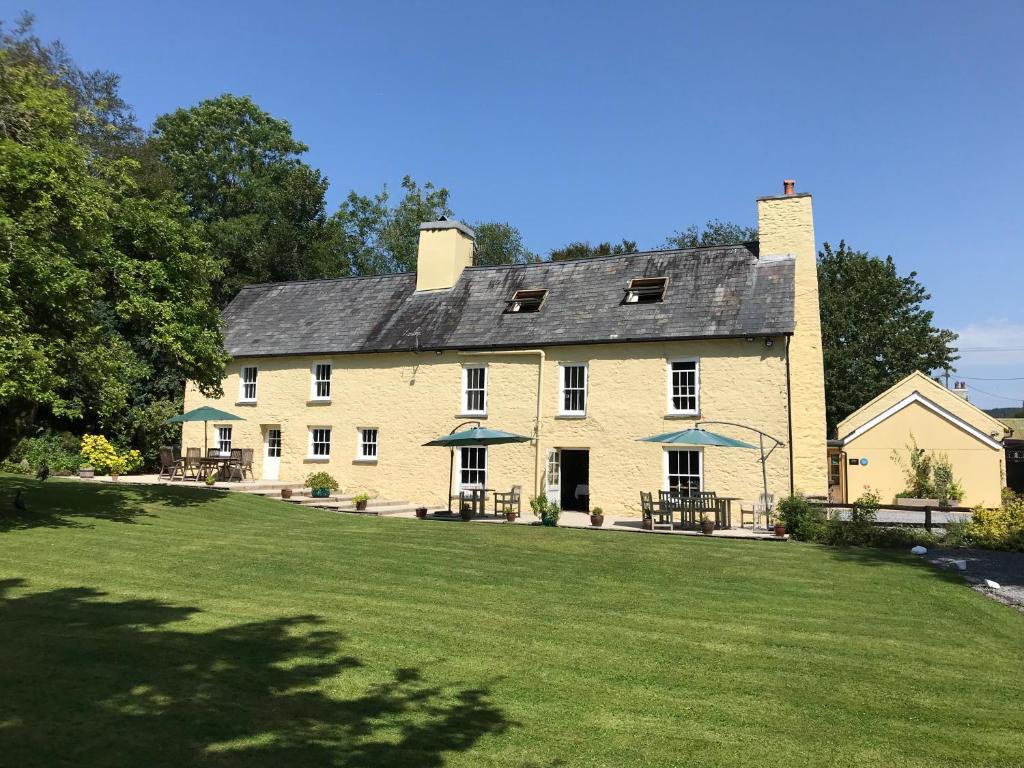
(575, 480)
(271, 453)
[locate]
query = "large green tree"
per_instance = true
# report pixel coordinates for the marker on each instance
(874, 329)
(584, 250)
(714, 232)
(101, 288)
(500, 243)
(261, 207)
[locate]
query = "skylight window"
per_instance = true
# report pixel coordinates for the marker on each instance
(526, 301)
(645, 290)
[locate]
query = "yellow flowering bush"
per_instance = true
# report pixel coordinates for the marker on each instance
(1001, 528)
(101, 454)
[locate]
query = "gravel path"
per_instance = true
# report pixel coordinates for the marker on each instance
(1005, 568)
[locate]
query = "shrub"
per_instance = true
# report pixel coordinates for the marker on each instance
(947, 489)
(321, 480)
(59, 451)
(547, 511)
(1001, 528)
(361, 497)
(803, 520)
(928, 476)
(102, 456)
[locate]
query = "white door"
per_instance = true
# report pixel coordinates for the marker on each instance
(553, 476)
(271, 453)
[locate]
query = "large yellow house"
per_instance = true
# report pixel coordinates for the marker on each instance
(354, 375)
(939, 421)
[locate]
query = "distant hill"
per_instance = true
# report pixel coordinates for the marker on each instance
(1006, 413)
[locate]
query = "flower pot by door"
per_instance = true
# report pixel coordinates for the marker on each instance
(597, 520)
(780, 530)
(361, 505)
(286, 493)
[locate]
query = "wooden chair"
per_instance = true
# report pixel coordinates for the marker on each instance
(193, 461)
(170, 466)
(246, 462)
(233, 466)
(663, 515)
(764, 505)
(508, 502)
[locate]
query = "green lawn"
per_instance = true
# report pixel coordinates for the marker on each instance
(150, 626)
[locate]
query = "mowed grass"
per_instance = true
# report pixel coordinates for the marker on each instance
(154, 626)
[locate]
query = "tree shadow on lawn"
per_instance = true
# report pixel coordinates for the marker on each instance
(882, 556)
(91, 682)
(64, 503)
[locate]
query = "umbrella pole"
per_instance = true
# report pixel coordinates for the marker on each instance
(451, 474)
(764, 471)
(205, 431)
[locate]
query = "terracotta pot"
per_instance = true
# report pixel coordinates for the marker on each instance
(361, 505)
(510, 516)
(286, 493)
(780, 530)
(421, 512)
(114, 476)
(597, 520)
(648, 524)
(707, 527)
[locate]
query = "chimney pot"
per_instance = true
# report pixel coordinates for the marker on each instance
(788, 185)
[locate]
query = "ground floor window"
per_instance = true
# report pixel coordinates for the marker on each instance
(224, 440)
(367, 444)
(472, 467)
(320, 442)
(684, 471)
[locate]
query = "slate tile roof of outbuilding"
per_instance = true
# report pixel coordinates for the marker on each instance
(712, 292)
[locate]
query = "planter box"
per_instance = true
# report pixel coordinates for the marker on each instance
(902, 502)
(87, 474)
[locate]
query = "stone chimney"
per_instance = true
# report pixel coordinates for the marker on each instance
(960, 390)
(785, 226)
(445, 249)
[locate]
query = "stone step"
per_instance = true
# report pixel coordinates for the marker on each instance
(346, 500)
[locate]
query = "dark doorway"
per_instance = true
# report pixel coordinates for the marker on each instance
(575, 472)
(1014, 464)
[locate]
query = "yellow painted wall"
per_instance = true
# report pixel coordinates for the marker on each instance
(786, 227)
(412, 398)
(978, 467)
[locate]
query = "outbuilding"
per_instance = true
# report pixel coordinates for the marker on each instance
(922, 411)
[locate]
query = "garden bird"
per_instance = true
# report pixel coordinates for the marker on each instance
(43, 473)
(19, 503)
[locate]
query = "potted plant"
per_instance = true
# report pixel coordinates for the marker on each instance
(421, 512)
(707, 525)
(597, 517)
(87, 473)
(211, 479)
(360, 499)
(510, 516)
(648, 523)
(780, 529)
(286, 493)
(466, 512)
(118, 464)
(321, 484)
(547, 511)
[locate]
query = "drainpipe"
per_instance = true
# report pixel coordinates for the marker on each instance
(541, 358)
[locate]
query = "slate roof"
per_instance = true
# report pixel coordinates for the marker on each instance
(712, 292)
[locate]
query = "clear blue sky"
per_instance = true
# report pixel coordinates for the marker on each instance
(600, 121)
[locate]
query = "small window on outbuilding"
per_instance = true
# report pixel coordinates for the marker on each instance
(526, 301)
(645, 290)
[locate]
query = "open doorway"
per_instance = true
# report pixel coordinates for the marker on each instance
(575, 480)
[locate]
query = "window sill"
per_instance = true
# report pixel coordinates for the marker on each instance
(316, 460)
(319, 401)
(470, 416)
(571, 416)
(246, 403)
(364, 461)
(693, 415)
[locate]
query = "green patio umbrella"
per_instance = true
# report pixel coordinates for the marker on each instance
(477, 436)
(203, 414)
(698, 436)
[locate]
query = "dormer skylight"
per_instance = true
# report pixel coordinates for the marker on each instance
(526, 301)
(645, 290)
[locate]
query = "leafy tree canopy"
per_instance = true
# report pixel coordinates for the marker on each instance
(500, 243)
(262, 208)
(715, 232)
(584, 250)
(875, 330)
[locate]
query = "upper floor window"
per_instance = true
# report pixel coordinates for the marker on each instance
(645, 290)
(526, 301)
(574, 389)
(367, 444)
(322, 381)
(684, 386)
(474, 389)
(247, 386)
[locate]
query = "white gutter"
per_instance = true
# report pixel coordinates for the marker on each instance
(540, 390)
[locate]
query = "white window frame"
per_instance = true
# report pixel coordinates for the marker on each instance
(310, 455)
(700, 466)
(465, 409)
(242, 383)
(672, 410)
(483, 483)
(562, 368)
(313, 381)
(361, 445)
(274, 451)
(218, 427)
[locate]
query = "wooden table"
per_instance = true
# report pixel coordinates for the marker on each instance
(477, 499)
